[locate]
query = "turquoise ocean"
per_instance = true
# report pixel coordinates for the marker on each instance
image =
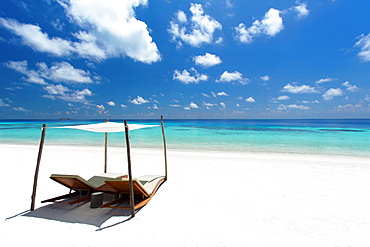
(349, 137)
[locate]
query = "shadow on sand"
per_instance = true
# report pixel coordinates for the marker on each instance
(81, 213)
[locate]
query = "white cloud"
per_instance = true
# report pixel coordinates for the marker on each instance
(114, 28)
(64, 93)
(301, 9)
(175, 105)
(270, 25)
(108, 29)
(59, 72)
(233, 77)
(364, 44)
(310, 102)
(209, 104)
(349, 87)
(331, 93)
(348, 106)
(193, 105)
(32, 36)
(111, 103)
(187, 77)
(181, 17)
(222, 94)
(56, 89)
(265, 78)
(2, 103)
(229, 4)
(20, 109)
(283, 97)
(223, 105)
(207, 60)
(100, 107)
(328, 79)
(293, 106)
(198, 31)
(22, 67)
(298, 89)
(206, 95)
(250, 100)
(123, 106)
(64, 72)
(155, 107)
(139, 101)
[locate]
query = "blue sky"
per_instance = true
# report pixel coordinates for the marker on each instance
(184, 59)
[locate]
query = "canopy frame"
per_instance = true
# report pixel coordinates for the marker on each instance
(125, 129)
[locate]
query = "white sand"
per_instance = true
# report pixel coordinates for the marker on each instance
(210, 199)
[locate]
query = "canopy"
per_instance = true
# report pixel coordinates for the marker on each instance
(107, 127)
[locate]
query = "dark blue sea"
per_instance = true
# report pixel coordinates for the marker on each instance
(349, 137)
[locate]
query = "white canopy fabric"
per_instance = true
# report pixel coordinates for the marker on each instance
(107, 127)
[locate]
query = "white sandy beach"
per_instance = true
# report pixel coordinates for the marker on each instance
(210, 199)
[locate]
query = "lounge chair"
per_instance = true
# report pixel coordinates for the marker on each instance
(82, 189)
(144, 189)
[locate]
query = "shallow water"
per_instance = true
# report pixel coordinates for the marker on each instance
(313, 136)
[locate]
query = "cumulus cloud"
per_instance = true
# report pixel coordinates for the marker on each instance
(265, 78)
(364, 45)
(331, 93)
(2, 103)
(64, 72)
(207, 60)
(61, 92)
(301, 9)
(293, 106)
(298, 89)
(155, 107)
(19, 109)
(101, 109)
(191, 76)
(222, 94)
(107, 29)
(283, 97)
(139, 101)
(59, 72)
(348, 106)
(111, 103)
(197, 31)
(223, 105)
(250, 100)
(233, 77)
(349, 87)
(270, 25)
(193, 105)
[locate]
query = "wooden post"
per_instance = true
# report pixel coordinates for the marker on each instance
(132, 199)
(106, 149)
(33, 197)
(164, 147)
(105, 152)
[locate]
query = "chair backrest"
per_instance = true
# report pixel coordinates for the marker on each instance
(123, 186)
(72, 181)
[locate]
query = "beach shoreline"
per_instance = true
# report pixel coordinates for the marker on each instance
(210, 198)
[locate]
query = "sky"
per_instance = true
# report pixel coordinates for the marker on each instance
(85, 59)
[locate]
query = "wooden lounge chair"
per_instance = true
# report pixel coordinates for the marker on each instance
(144, 189)
(80, 189)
